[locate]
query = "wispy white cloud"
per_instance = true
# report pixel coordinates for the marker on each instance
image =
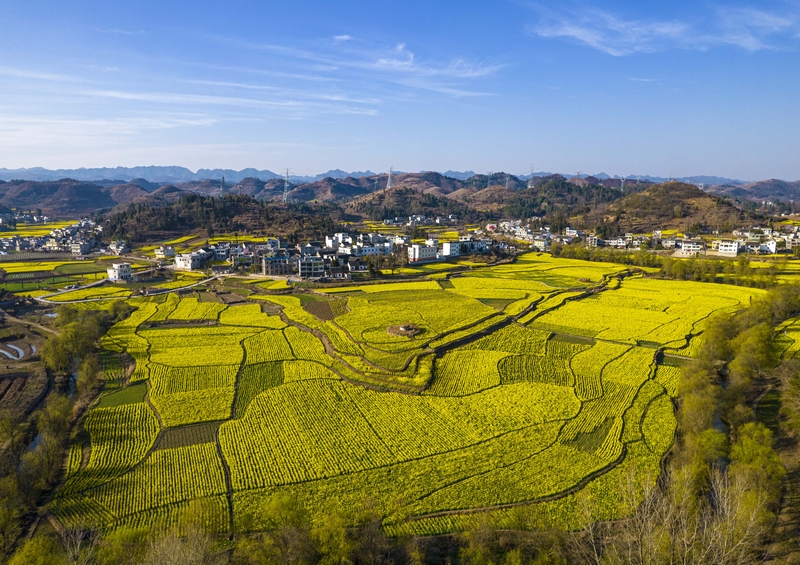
(194, 99)
(299, 107)
(26, 73)
(749, 28)
(339, 38)
(120, 31)
(42, 130)
(297, 93)
(393, 63)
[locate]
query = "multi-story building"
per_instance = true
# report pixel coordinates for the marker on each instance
(451, 248)
(417, 253)
(310, 267)
(728, 247)
(188, 261)
(276, 264)
(80, 247)
(119, 247)
(120, 272)
(165, 251)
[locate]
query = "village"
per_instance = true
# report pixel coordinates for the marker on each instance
(338, 257)
(342, 255)
(754, 240)
(79, 238)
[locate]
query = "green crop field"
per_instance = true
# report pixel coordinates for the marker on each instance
(521, 384)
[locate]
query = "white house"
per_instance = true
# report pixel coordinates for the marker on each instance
(692, 246)
(187, 261)
(541, 244)
(419, 252)
(728, 247)
(120, 272)
(770, 246)
(80, 247)
(451, 248)
(119, 247)
(165, 251)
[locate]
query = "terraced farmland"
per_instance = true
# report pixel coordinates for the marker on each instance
(421, 395)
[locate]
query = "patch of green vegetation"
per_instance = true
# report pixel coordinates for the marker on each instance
(498, 303)
(185, 436)
(129, 395)
(769, 408)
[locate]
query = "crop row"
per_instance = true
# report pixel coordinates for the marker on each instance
(119, 437)
(306, 346)
(166, 477)
(669, 377)
(165, 380)
(588, 366)
(269, 345)
(298, 432)
(550, 472)
(450, 338)
(513, 339)
(535, 368)
(255, 379)
(192, 347)
(207, 405)
(212, 513)
(407, 481)
(339, 339)
(612, 404)
(190, 308)
(74, 458)
(92, 292)
(250, 315)
(305, 371)
(632, 368)
(166, 308)
(650, 390)
(459, 373)
(292, 308)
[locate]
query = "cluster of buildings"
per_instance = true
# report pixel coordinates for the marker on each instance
(222, 256)
(79, 239)
(418, 220)
(432, 250)
(756, 240)
(338, 256)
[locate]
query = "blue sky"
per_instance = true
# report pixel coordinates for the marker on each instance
(663, 88)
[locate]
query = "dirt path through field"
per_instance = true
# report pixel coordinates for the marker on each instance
(28, 324)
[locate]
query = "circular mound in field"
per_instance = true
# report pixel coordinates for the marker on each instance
(407, 330)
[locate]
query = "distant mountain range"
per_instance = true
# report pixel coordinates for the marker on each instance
(173, 175)
(162, 175)
(74, 194)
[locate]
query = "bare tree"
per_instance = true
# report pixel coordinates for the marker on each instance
(735, 523)
(588, 544)
(193, 549)
(80, 546)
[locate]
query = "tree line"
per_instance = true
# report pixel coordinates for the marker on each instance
(739, 271)
(32, 449)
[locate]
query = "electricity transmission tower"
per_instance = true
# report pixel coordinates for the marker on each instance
(389, 179)
(286, 184)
